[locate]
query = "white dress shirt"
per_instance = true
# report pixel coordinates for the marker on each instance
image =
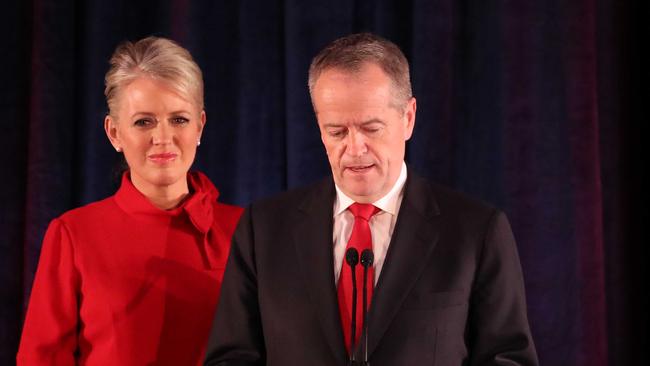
(382, 224)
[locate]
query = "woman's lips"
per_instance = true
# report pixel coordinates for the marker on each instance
(162, 158)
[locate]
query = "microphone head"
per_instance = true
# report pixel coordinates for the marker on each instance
(367, 257)
(352, 256)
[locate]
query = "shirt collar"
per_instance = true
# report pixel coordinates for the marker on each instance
(388, 203)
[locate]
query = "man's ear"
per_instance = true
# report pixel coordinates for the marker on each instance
(409, 118)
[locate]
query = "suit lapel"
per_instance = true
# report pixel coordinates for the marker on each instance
(313, 241)
(413, 240)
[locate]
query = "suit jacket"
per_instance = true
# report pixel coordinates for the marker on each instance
(451, 290)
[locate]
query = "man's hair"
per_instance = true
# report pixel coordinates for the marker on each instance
(156, 58)
(352, 52)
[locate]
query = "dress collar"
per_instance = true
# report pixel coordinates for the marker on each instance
(198, 206)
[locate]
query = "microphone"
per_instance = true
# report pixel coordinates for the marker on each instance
(352, 259)
(367, 257)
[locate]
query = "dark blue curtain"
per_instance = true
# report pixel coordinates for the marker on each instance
(528, 105)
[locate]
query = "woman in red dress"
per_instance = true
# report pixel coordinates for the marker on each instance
(134, 279)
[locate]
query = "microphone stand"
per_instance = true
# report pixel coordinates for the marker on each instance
(352, 259)
(367, 257)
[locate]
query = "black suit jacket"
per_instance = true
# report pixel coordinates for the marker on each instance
(450, 292)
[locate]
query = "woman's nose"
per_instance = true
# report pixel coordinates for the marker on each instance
(162, 134)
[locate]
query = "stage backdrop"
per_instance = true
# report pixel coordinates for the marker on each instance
(526, 104)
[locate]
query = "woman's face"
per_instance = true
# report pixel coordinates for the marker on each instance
(158, 130)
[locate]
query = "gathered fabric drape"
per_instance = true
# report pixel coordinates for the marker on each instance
(528, 105)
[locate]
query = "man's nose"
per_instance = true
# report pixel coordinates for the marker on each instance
(356, 144)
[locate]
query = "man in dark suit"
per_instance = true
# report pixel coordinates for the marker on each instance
(444, 286)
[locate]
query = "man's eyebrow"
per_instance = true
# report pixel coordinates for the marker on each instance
(364, 123)
(333, 124)
(371, 121)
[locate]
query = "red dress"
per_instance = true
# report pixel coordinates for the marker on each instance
(121, 282)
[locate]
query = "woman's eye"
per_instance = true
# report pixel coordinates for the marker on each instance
(337, 133)
(179, 120)
(142, 122)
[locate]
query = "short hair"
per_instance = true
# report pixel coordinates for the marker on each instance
(159, 59)
(351, 52)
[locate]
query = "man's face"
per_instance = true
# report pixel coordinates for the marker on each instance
(364, 129)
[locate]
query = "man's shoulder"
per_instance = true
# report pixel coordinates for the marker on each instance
(450, 200)
(454, 210)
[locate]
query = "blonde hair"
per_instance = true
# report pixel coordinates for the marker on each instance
(352, 52)
(159, 59)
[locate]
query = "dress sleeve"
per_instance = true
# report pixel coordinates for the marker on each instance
(51, 324)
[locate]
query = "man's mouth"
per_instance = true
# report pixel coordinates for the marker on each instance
(360, 168)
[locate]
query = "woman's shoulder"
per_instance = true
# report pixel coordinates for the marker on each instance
(80, 224)
(92, 211)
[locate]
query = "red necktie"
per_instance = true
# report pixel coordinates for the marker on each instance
(360, 239)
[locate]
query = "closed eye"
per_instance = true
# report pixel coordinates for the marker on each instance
(372, 129)
(337, 132)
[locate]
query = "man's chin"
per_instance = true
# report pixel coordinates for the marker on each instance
(360, 193)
